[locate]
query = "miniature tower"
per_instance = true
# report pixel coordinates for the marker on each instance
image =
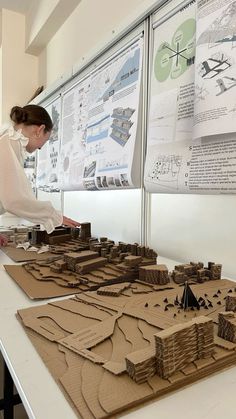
(85, 231)
(188, 299)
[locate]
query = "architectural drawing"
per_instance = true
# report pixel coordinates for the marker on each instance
(174, 58)
(225, 83)
(222, 29)
(214, 65)
(201, 93)
(165, 171)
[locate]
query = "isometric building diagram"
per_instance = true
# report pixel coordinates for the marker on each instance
(121, 125)
(98, 130)
(214, 65)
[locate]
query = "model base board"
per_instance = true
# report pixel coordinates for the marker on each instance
(85, 342)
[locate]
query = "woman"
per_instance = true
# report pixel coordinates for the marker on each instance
(30, 130)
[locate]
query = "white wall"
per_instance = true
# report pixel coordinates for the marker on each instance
(114, 214)
(195, 227)
(92, 23)
(54, 198)
(19, 71)
(0, 83)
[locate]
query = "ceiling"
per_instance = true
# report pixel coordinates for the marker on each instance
(20, 6)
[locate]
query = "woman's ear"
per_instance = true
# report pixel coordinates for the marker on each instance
(42, 129)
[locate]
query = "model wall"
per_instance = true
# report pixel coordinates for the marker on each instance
(182, 227)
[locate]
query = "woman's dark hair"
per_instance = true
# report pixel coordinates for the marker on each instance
(31, 115)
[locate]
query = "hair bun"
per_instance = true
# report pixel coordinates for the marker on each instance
(18, 115)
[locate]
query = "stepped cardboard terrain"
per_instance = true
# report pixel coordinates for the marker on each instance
(117, 347)
(74, 272)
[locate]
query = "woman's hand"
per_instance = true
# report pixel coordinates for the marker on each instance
(69, 222)
(3, 240)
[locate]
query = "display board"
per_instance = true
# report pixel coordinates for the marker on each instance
(191, 142)
(99, 125)
(48, 156)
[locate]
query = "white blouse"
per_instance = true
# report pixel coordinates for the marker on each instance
(16, 195)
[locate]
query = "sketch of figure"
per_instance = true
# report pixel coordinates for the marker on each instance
(200, 93)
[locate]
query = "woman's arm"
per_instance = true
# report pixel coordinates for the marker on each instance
(16, 194)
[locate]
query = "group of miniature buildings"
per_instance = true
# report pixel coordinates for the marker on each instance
(179, 345)
(176, 346)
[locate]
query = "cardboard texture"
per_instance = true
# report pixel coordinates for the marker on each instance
(102, 348)
(21, 255)
(74, 272)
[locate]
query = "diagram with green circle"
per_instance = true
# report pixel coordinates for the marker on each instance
(173, 59)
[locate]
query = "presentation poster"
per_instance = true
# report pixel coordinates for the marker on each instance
(48, 156)
(73, 139)
(191, 145)
(171, 111)
(99, 125)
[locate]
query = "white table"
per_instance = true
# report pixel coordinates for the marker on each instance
(210, 398)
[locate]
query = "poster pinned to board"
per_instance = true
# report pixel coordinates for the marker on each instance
(99, 125)
(47, 176)
(191, 145)
(171, 111)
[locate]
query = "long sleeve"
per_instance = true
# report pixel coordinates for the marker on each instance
(16, 195)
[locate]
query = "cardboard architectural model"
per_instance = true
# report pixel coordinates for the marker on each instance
(230, 303)
(16, 234)
(103, 264)
(61, 240)
(135, 341)
(227, 326)
(196, 272)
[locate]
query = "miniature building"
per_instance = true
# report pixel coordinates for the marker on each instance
(85, 231)
(175, 348)
(16, 234)
(230, 304)
(197, 272)
(133, 261)
(59, 235)
(73, 258)
(154, 274)
(89, 265)
(141, 365)
(215, 270)
(227, 326)
(179, 345)
(127, 258)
